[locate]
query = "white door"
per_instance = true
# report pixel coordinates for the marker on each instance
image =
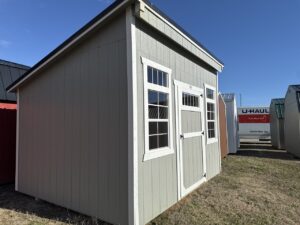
(190, 137)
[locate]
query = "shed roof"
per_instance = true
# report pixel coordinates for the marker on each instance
(228, 97)
(278, 100)
(116, 5)
(296, 87)
(9, 72)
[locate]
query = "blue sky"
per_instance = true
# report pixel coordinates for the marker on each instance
(259, 41)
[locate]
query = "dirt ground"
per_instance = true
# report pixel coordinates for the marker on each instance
(258, 186)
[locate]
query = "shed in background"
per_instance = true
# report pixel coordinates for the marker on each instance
(277, 123)
(223, 127)
(292, 120)
(9, 72)
(232, 122)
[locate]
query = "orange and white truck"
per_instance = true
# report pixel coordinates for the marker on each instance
(254, 123)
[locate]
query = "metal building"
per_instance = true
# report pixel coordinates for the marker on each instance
(121, 121)
(277, 123)
(9, 72)
(223, 127)
(232, 122)
(291, 120)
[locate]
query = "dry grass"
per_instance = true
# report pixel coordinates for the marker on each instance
(19, 209)
(257, 186)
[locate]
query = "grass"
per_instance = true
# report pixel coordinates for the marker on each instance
(258, 186)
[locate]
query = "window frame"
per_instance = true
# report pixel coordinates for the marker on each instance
(212, 101)
(159, 152)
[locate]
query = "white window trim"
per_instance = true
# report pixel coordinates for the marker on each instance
(207, 100)
(152, 154)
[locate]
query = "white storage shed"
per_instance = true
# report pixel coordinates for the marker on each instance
(277, 123)
(120, 122)
(232, 122)
(292, 120)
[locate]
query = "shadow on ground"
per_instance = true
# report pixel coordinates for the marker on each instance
(38, 209)
(263, 150)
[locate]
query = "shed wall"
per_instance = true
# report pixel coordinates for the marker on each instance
(276, 128)
(223, 127)
(292, 123)
(157, 178)
(73, 128)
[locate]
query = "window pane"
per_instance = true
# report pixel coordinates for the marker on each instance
(163, 99)
(153, 112)
(153, 97)
(165, 80)
(196, 101)
(160, 78)
(163, 113)
(163, 127)
(208, 116)
(153, 128)
(211, 125)
(209, 93)
(155, 76)
(211, 134)
(163, 141)
(150, 80)
(210, 107)
(153, 142)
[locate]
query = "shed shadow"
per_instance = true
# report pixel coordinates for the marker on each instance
(263, 150)
(20, 203)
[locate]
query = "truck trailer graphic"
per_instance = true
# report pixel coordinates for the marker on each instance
(254, 122)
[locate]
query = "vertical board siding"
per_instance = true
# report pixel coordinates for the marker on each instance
(73, 128)
(292, 123)
(157, 178)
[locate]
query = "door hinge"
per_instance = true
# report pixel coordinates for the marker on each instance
(181, 136)
(204, 175)
(201, 95)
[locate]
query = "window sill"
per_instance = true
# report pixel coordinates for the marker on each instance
(153, 154)
(211, 141)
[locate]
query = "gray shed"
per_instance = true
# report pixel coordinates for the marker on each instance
(291, 120)
(120, 122)
(9, 72)
(232, 122)
(277, 123)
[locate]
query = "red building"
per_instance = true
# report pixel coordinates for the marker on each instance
(9, 72)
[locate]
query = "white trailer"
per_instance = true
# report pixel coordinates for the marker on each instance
(254, 122)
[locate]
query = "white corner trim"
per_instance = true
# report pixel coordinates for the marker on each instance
(218, 113)
(17, 144)
(160, 152)
(133, 206)
(70, 44)
(184, 35)
(207, 100)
